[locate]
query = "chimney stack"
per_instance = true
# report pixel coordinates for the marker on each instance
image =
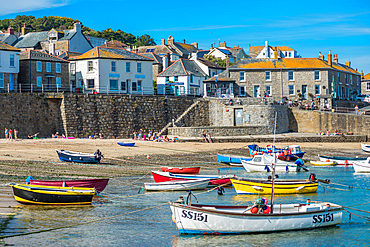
(348, 63)
(227, 62)
(52, 49)
(195, 44)
(335, 59)
(267, 49)
(330, 62)
(170, 40)
(321, 56)
(275, 55)
(163, 42)
(77, 27)
(362, 72)
(10, 30)
(211, 47)
(24, 31)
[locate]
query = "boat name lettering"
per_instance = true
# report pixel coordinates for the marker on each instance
(194, 216)
(323, 218)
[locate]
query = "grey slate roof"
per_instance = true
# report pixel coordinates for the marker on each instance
(222, 77)
(39, 56)
(184, 49)
(156, 58)
(158, 49)
(109, 53)
(201, 53)
(210, 64)
(8, 38)
(32, 39)
(183, 67)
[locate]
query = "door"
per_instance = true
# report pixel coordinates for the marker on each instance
(11, 82)
(238, 113)
(304, 91)
(48, 83)
(256, 91)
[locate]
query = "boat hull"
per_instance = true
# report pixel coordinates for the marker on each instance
(209, 219)
(69, 156)
(167, 176)
(250, 167)
(98, 184)
(323, 163)
(199, 184)
(365, 148)
(182, 170)
(222, 158)
(362, 167)
(340, 160)
(126, 144)
(49, 195)
(249, 186)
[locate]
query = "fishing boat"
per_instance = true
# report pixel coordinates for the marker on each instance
(264, 186)
(323, 163)
(231, 159)
(263, 163)
(221, 219)
(341, 160)
(365, 147)
(126, 144)
(70, 156)
(182, 170)
(196, 184)
(362, 166)
(292, 152)
(167, 176)
(52, 195)
(98, 183)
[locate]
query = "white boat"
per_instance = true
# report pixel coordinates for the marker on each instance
(263, 163)
(341, 160)
(217, 219)
(362, 166)
(197, 184)
(323, 163)
(365, 147)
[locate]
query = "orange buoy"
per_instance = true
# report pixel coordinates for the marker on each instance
(254, 210)
(148, 157)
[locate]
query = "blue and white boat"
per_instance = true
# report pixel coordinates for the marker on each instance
(293, 151)
(126, 144)
(231, 159)
(70, 156)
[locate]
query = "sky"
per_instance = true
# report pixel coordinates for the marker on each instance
(309, 27)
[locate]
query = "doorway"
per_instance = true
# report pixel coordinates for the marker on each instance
(238, 115)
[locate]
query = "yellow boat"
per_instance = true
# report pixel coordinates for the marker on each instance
(323, 163)
(258, 186)
(52, 195)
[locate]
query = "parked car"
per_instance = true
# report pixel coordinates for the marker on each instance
(367, 99)
(360, 97)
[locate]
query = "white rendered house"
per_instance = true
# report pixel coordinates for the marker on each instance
(9, 67)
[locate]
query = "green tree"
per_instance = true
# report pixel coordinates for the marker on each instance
(145, 40)
(219, 61)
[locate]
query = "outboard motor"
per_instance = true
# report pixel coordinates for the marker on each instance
(312, 177)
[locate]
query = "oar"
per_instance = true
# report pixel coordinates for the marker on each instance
(324, 181)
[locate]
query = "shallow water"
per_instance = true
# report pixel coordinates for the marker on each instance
(115, 224)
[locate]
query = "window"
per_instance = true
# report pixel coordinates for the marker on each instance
(358, 80)
(268, 90)
(317, 75)
(38, 66)
(346, 78)
(58, 68)
(39, 81)
(113, 66)
(90, 66)
(139, 86)
(317, 90)
(242, 91)
(12, 60)
(290, 54)
(48, 67)
(268, 75)
(138, 67)
(113, 84)
(291, 75)
(339, 78)
(291, 90)
(367, 85)
(123, 86)
(128, 67)
(59, 82)
(73, 68)
(134, 86)
(1, 80)
(90, 83)
(176, 79)
(351, 79)
(167, 79)
(241, 76)
(128, 83)
(191, 78)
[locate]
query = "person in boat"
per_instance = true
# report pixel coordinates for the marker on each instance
(221, 190)
(180, 200)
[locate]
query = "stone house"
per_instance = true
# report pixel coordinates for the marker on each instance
(112, 70)
(365, 84)
(183, 77)
(55, 42)
(272, 51)
(42, 72)
(294, 78)
(9, 67)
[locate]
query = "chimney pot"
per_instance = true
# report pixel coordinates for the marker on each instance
(330, 62)
(10, 30)
(163, 42)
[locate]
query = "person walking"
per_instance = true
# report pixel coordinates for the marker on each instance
(15, 134)
(10, 134)
(6, 133)
(356, 109)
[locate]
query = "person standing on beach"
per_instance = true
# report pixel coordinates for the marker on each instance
(356, 109)
(205, 136)
(15, 134)
(10, 134)
(6, 133)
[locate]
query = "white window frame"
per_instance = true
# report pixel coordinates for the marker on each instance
(128, 67)
(39, 81)
(110, 85)
(240, 91)
(241, 76)
(124, 88)
(139, 86)
(90, 66)
(11, 60)
(134, 89)
(58, 82)
(339, 82)
(139, 68)
(267, 75)
(270, 94)
(1, 80)
(113, 66)
(291, 71)
(319, 89)
(319, 75)
(368, 86)
(39, 66)
(351, 79)
(48, 67)
(58, 67)
(293, 88)
(88, 83)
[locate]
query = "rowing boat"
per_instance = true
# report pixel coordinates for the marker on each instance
(293, 151)
(264, 163)
(341, 160)
(182, 170)
(365, 147)
(126, 144)
(362, 166)
(167, 176)
(78, 157)
(98, 183)
(323, 163)
(260, 186)
(51, 195)
(196, 184)
(231, 159)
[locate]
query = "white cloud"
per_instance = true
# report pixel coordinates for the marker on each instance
(9, 7)
(199, 28)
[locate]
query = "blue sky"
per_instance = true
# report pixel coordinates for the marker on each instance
(309, 27)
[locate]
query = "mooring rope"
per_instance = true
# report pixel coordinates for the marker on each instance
(83, 223)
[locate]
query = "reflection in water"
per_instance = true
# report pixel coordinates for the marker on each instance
(155, 227)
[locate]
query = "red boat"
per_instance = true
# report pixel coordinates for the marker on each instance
(168, 176)
(98, 184)
(182, 170)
